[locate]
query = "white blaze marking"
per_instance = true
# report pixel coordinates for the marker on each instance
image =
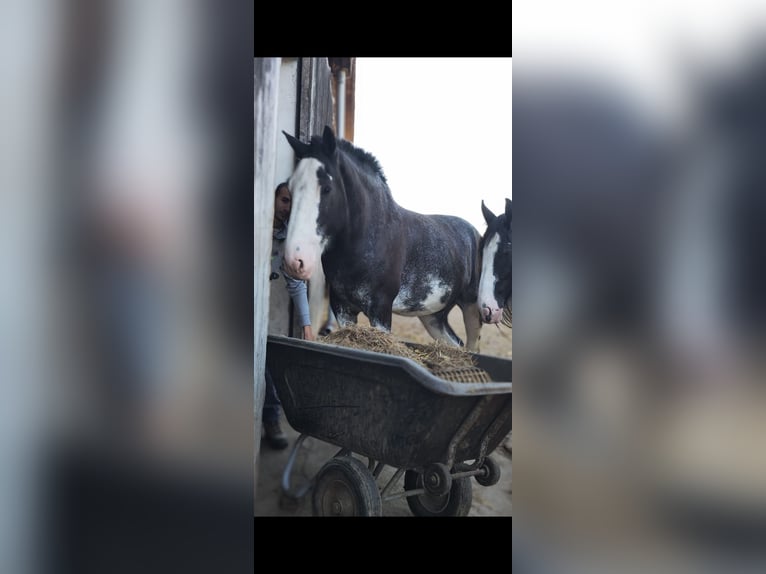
(487, 280)
(303, 238)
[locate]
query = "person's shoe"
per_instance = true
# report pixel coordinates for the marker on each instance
(276, 438)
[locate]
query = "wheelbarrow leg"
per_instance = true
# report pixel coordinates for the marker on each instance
(300, 491)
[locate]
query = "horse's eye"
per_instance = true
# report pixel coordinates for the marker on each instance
(325, 189)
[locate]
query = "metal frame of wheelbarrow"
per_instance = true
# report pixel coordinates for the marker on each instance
(487, 473)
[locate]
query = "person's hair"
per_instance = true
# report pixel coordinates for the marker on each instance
(280, 186)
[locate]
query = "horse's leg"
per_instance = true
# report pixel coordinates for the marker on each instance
(345, 315)
(380, 315)
(438, 327)
(472, 321)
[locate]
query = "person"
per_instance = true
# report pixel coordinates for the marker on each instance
(271, 414)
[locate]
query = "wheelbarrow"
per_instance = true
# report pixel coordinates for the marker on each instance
(389, 409)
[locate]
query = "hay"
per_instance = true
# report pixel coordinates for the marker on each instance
(444, 360)
(463, 375)
(441, 356)
(369, 339)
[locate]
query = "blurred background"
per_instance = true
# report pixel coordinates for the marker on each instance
(126, 308)
(640, 408)
(126, 315)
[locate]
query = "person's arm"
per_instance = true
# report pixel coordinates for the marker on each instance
(299, 294)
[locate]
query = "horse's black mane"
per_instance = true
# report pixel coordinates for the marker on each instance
(362, 157)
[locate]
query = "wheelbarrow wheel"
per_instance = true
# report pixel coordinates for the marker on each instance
(437, 479)
(345, 487)
(457, 502)
(492, 472)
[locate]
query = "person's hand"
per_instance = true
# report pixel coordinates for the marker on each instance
(308, 334)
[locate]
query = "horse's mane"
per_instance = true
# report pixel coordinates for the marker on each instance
(363, 158)
(367, 164)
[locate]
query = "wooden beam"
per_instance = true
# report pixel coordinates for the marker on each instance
(266, 91)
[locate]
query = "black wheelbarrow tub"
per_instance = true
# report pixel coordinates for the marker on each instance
(389, 408)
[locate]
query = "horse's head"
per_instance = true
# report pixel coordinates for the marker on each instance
(318, 203)
(496, 283)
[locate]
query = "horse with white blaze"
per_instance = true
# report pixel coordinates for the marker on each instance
(378, 257)
(496, 284)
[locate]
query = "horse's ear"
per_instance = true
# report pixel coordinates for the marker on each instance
(328, 141)
(508, 211)
(489, 217)
(301, 149)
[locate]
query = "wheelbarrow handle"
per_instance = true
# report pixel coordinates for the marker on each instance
(301, 490)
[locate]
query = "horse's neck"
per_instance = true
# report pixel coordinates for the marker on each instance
(368, 211)
(368, 204)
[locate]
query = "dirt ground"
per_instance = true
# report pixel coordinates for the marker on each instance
(487, 501)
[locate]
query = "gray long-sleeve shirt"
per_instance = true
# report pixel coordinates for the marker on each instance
(295, 287)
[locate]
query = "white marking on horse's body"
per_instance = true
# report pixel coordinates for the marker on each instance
(434, 301)
(487, 282)
(304, 243)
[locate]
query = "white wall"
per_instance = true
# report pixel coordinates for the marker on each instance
(279, 309)
(266, 102)
(287, 116)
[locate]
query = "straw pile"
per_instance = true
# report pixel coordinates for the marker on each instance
(369, 339)
(445, 361)
(440, 356)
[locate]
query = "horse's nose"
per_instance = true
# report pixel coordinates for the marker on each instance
(490, 315)
(296, 267)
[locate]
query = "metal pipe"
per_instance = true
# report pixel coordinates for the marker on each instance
(397, 474)
(341, 94)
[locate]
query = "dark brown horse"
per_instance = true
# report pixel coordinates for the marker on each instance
(378, 257)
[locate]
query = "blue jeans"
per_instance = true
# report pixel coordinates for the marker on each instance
(271, 404)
